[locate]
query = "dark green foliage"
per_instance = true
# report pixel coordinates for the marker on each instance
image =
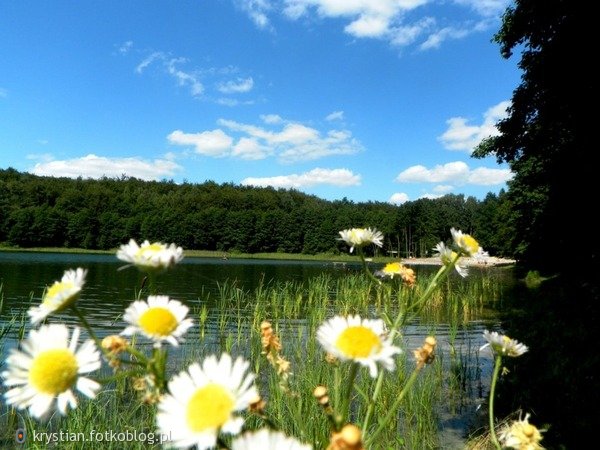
(102, 214)
(547, 137)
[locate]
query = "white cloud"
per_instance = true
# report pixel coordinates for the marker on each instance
(336, 115)
(457, 173)
(431, 196)
(485, 7)
(293, 141)
(372, 19)
(92, 166)
(365, 26)
(125, 47)
(156, 56)
(318, 176)
(257, 11)
(171, 67)
(184, 78)
(271, 118)
(462, 136)
(214, 143)
(250, 148)
(403, 35)
(43, 157)
(240, 85)
(484, 176)
(398, 198)
(444, 188)
(435, 40)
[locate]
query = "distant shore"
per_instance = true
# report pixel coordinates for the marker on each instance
(487, 262)
(341, 258)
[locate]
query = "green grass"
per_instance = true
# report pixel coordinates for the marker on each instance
(295, 310)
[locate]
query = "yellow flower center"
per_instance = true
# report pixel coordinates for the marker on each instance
(53, 371)
(358, 342)
(158, 321)
(57, 289)
(393, 268)
(356, 235)
(149, 250)
(529, 430)
(470, 244)
(209, 407)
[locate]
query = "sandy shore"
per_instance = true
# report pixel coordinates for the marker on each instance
(435, 261)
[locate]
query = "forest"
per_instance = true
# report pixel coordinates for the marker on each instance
(102, 214)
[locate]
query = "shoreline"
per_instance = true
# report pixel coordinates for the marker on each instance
(490, 261)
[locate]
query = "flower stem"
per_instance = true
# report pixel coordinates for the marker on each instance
(89, 329)
(347, 398)
(400, 319)
(493, 436)
(395, 405)
(360, 253)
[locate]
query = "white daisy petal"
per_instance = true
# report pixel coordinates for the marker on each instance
(47, 368)
(465, 243)
(159, 319)
(203, 401)
(360, 340)
(150, 257)
(447, 256)
(503, 345)
(266, 439)
(60, 295)
(359, 237)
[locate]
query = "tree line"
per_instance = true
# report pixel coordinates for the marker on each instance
(102, 214)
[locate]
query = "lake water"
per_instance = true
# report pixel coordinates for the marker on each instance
(108, 291)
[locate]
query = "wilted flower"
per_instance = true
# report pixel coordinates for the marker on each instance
(60, 295)
(272, 347)
(396, 269)
(359, 237)
(348, 438)
(521, 435)
(424, 355)
(114, 344)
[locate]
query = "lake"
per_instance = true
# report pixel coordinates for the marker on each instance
(196, 282)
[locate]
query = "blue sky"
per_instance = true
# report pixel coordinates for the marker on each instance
(379, 100)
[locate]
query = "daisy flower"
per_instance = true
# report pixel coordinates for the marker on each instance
(521, 435)
(447, 256)
(503, 345)
(60, 295)
(466, 243)
(149, 257)
(359, 237)
(203, 401)
(395, 268)
(361, 340)
(47, 368)
(266, 439)
(159, 319)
